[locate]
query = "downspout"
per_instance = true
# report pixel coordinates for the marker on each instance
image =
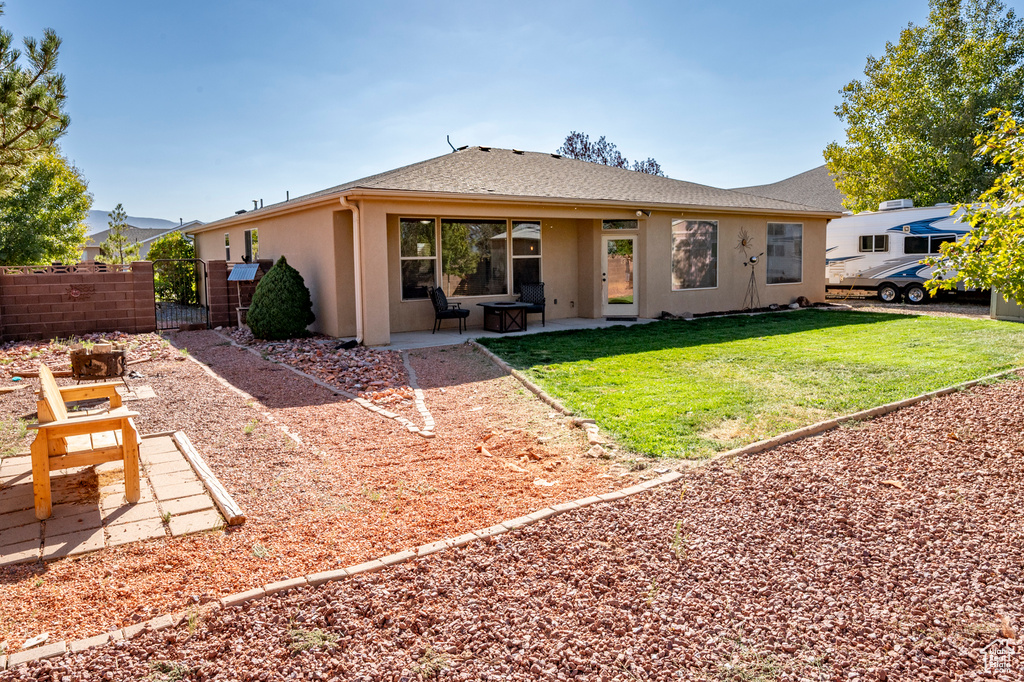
(357, 264)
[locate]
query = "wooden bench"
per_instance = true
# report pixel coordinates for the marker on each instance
(94, 438)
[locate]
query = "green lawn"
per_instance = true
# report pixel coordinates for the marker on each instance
(689, 389)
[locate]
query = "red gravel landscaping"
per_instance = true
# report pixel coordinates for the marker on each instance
(891, 550)
(359, 486)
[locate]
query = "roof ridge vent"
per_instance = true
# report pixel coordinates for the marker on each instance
(517, 151)
(556, 156)
(485, 149)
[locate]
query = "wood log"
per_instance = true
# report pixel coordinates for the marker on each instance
(227, 505)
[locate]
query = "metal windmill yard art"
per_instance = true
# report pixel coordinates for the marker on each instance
(752, 299)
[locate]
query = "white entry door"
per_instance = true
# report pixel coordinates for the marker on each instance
(618, 298)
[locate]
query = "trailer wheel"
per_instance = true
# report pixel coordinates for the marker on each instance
(915, 294)
(888, 293)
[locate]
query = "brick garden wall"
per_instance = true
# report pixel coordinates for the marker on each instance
(223, 295)
(59, 301)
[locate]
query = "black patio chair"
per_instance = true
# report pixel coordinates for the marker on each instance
(533, 296)
(443, 310)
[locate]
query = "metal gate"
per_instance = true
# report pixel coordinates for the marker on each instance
(180, 288)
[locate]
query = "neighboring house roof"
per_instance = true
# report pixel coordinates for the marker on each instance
(180, 228)
(135, 234)
(815, 187)
(489, 171)
(142, 235)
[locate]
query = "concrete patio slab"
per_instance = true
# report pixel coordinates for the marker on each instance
(19, 554)
(136, 531)
(78, 542)
(21, 534)
(197, 522)
(187, 505)
(173, 491)
(89, 507)
(450, 337)
(130, 513)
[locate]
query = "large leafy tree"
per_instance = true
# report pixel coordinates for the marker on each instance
(992, 253)
(174, 268)
(118, 247)
(911, 122)
(42, 220)
(31, 100)
(578, 146)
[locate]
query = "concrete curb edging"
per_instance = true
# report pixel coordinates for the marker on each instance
(521, 378)
(421, 399)
(315, 579)
(362, 402)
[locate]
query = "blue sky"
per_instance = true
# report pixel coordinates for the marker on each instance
(192, 109)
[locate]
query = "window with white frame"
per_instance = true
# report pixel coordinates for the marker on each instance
(468, 257)
(252, 246)
(525, 253)
(418, 256)
(784, 253)
(694, 254)
(871, 243)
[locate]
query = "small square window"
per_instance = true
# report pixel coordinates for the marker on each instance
(877, 242)
(620, 225)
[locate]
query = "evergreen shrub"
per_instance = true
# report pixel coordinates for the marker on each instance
(281, 307)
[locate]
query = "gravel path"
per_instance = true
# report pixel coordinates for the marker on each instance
(934, 308)
(892, 550)
(359, 486)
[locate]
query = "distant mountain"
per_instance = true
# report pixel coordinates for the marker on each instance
(100, 220)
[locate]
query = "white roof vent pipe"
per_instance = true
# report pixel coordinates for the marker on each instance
(896, 204)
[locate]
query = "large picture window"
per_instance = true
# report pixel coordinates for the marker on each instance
(525, 253)
(468, 257)
(474, 257)
(785, 253)
(418, 256)
(694, 254)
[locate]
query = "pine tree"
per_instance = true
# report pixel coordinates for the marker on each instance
(32, 98)
(281, 306)
(118, 248)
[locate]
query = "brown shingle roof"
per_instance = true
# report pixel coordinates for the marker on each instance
(810, 188)
(503, 172)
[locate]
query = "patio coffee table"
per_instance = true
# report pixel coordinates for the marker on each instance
(503, 317)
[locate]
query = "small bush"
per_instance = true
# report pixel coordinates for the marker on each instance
(281, 307)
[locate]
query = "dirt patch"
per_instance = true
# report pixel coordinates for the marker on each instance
(728, 430)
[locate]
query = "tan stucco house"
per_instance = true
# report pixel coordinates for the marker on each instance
(479, 222)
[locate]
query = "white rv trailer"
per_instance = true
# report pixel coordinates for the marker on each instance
(882, 250)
